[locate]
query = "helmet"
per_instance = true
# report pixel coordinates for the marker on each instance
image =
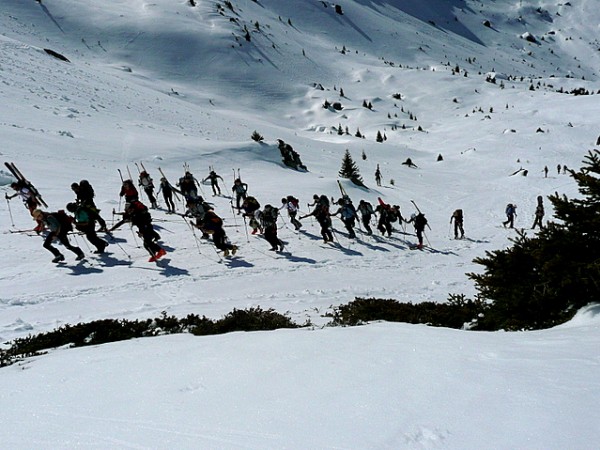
(284, 200)
(71, 207)
(74, 186)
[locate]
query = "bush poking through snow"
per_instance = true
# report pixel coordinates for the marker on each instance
(256, 136)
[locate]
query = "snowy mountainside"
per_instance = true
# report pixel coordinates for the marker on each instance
(161, 82)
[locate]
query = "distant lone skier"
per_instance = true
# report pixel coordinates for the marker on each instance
(457, 217)
(378, 176)
(511, 213)
(539, 213)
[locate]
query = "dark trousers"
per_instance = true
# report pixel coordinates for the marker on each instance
(169, 201)
(458, 227)
(384, 226)
(90, 233)
(366, 221)
(271, 237)
(220, 239)
(149, 237)
(349, 224)
(150, 193)
(325, 223)
(297, 224)
(64, 240)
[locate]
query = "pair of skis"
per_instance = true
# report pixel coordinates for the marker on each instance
(26, 183)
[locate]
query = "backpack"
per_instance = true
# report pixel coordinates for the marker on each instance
(369, 208)
(211, 221)
(510, 209)
(138, 206)
(145, 180)
(86, 190)
(458, 214)
(65, 220)
(348, 211)
(420, 221)
(186, 184)
(140, 212)
(294, 201)
(269, 216)
(252, 204)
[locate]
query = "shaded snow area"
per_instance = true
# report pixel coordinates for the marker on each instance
(169, 85)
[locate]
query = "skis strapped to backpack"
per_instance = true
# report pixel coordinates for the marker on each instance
(419, 211)
(19, 176)
(342, 190)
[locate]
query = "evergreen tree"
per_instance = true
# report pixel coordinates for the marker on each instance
(541, 281)
(350, 170)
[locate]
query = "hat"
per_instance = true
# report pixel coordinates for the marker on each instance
(37, 214)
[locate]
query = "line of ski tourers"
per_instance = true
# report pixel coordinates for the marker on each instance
(83, 214)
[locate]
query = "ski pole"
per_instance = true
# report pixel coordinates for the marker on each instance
(233, 212)
(246, 228)
(194, 234)
(85, 241)
(134, 237)
(9, 210)
(114, 241)
(426, 238)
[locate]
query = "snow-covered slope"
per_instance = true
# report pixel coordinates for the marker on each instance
(166, 83)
